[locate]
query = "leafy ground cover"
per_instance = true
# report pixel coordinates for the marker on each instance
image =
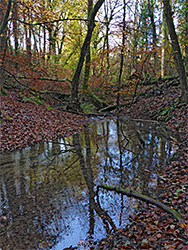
(25, 122)
(152, 228)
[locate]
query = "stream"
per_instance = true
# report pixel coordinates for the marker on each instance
(48, 191)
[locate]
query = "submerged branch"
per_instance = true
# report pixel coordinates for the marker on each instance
(131, 193)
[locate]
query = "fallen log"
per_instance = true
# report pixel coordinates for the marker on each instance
(60, 96)
(131, 193)
(45, 79)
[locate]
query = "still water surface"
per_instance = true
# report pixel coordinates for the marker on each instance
(48, 191)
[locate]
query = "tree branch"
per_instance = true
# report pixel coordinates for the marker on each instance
(131, 193)
(49, 22)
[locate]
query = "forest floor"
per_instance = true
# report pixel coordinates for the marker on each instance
(25, 123)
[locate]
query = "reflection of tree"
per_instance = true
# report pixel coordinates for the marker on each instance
(29, 213)
(89, 182)
(162, 153)
(141, 154)
(107, 155)
(120, 164)
(88, 176)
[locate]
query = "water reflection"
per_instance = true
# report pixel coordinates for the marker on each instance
(48, 191)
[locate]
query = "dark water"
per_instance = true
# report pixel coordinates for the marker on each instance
(48, 191)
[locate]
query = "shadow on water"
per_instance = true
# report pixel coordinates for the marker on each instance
(48, 191)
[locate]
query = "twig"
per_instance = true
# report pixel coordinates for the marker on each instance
(70, 165)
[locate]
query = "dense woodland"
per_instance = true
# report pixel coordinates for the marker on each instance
(64, 61)
(101, 50)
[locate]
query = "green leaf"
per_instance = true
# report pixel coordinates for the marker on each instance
(177, 194)
(145, 241)
(165, 111)
(49, 107)
(156, 222)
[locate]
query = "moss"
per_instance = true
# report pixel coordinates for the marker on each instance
(3, 92)
(87, 107)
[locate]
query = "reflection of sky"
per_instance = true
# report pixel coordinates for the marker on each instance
(69, 196)
(76, 227)
(75, 224)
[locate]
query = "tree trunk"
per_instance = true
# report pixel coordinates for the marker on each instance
(122, 55)
(177, 51)
(74, 105)
(164, 47)
(15, 26)
(186, 45)
(106, 40)
(3, 26)
(44, 44)
(27, 36)
(88, 56)
(108, 18)
(154, 33)
(50, 42)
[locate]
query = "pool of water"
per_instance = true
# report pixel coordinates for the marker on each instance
(48, 194)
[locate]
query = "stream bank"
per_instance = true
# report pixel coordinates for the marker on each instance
(152, 228)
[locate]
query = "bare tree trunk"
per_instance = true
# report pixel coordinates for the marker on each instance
(106, 38)
(134, 40)
(4, 18)
(186, 32)
(74, 104)
(163, 49)
(15, 26)
(122, 54)
(88, 56)
(27, 37)
(3, 25)
(50, 42)
(154, 34)
(177, 51)
(44, 44)
(28, 44)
